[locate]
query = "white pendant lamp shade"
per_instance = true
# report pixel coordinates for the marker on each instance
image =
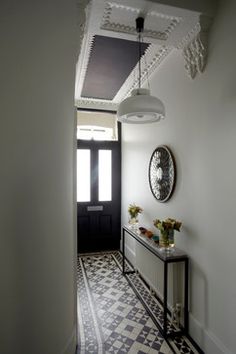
(140, 108)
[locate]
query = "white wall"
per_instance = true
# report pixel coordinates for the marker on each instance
(199, 128)
(37, 72)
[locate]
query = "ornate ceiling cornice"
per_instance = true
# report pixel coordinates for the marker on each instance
(149, 62)
(93, 103)
(81, 6)
(110, 23)
(166, 28)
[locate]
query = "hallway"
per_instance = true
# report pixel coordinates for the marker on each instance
(111, 318)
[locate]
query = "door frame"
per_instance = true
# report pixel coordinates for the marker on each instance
(116, 187)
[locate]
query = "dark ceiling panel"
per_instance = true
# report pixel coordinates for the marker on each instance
(111, 61)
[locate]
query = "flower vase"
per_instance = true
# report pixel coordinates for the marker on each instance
(171, 239)
(133, 222)
(166, 240)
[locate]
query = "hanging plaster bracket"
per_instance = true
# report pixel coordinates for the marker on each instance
(194, 48)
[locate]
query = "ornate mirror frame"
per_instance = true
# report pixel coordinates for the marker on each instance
(162, 173)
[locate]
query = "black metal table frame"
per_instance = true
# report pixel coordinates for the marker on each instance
(166, 260)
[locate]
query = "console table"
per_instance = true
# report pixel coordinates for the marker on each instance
(166, 257)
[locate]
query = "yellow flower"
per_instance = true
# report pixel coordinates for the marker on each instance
(134, 210)
(167, 224)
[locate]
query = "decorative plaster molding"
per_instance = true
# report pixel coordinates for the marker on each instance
(195, 56)
(151, 59)
(93, 103)
(110, 24)
(194, 47)
(166, 28)
(189, 36)
(86, 48)
(83, 8)
(81, 19)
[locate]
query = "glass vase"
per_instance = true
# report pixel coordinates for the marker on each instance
(171, 239)
(166, 240)
(133, 222)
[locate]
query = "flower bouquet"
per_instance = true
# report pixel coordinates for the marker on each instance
(133, 211)
(167, 228)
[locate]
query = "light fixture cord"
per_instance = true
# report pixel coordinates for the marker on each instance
(139, 29)
(145, 61)
(139, 62)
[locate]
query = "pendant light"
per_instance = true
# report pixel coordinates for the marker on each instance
(140, 107)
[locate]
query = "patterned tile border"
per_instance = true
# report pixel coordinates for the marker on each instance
(180, 344)
(111, 318)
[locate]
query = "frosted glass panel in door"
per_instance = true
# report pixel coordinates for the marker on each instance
(83, 175)
(104, 175)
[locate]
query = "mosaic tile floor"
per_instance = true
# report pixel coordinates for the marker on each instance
(111, 318)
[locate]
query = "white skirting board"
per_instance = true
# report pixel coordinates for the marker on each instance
(70, 346)
(206, 340)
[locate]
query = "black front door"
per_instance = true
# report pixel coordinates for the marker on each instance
(98, 195)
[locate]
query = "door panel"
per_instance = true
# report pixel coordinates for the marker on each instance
(104, 175)
(99, 219)
(105, 224)
(83, 175)
(84, 224)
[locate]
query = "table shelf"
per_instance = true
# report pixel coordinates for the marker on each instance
(167, 257)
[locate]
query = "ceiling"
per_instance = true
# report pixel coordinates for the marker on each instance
(107, 66)
(111, 61)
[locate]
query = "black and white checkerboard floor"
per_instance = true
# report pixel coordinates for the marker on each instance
(111, 318)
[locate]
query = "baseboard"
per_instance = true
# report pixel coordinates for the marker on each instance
(70, 346)
(206, 340)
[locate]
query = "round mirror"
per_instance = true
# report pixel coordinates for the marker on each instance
(161, 173)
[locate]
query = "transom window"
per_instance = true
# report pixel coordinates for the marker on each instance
(96, 126)
(94, 133)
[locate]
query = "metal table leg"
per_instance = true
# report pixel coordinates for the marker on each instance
(186, 295)
(123, 251)
(165, 299)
